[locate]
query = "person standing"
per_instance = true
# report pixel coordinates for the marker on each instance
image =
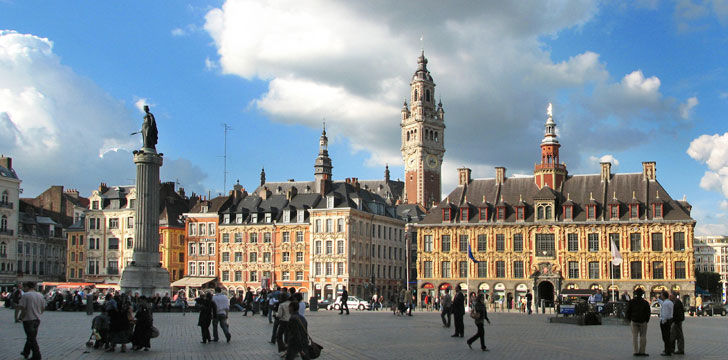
(446, 304)
(529, 301)
(248, 302)
(666, 310)
(31, 305)
(90, 300)
(698, 304)
(638, 311)
(344, 301)
(676, 332)
(17, 295)
(166, 303)
(143, 326)
(283, 315)
(296, 334)
(479, 313)
(458, 310)
(222, 308)
(207, 312)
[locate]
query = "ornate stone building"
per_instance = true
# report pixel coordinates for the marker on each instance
(423, 139)
(9, 212)
(554, 231)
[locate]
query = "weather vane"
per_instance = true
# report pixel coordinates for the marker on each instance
(549, 110)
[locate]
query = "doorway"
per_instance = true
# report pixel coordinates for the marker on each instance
(546, 292)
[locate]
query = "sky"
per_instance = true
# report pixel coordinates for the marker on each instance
(630, 81)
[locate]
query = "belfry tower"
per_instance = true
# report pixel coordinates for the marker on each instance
(423, 139)
(550, 172)
(322, 167)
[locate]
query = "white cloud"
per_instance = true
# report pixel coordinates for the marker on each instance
(210, 64)
(352, 62)
(177, 32)
(712, 150)
(141, 102)
(596, 161)
(687, 108)
(55, 124)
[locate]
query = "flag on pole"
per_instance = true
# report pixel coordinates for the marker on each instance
(616, 255)
(470, 254)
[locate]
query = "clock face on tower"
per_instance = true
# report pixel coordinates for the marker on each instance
(432, 161)
(411, 162)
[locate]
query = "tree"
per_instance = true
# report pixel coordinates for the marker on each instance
(708, 281)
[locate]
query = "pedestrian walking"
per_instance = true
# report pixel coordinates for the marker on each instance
(282, 297)
(458, 311)
(666, 311)
(676, 331)
(296, 334)
(141, 339)
(479, 314)
(222, 308)
(529, 301)
(31, 305)
(638, 312)
(344, 300)
(248, 302)
(446, 303)
(283, 315)
(208, 310)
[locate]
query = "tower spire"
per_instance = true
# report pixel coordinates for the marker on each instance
(550, 172)
(322, 166)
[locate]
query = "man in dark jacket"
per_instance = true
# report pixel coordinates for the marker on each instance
(638, 311)
(676, 333)
(458, 310)
(344, 300)
(248, 302)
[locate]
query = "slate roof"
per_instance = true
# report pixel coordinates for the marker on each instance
(8, 173)
(577, 190)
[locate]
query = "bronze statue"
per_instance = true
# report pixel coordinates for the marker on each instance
(149, 130)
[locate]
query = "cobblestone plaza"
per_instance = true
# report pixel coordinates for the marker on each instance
(371, 335)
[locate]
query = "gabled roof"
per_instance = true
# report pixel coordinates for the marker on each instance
(582, 190)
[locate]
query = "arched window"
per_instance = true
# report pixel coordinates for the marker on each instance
(427, 95)
(436, 136)
(539, 215)
(4, 223)
(4, 197)
(408, 136)
(416, 96)
(3, 250)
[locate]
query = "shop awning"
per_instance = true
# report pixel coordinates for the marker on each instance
(193, 281)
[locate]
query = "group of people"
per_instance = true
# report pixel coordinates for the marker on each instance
(672, 315)
(124, 319)
(455, 307)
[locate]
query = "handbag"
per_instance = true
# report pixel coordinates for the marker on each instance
(155, 332)
(314, 349)
(475, 315)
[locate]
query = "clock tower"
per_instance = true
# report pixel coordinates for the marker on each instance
(423, 139)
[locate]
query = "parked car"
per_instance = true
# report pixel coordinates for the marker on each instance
(325, 303)
(353, 303)
(710, 308)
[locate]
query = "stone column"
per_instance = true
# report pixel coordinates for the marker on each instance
(145, 274)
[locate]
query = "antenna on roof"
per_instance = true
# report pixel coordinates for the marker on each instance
(224, 156)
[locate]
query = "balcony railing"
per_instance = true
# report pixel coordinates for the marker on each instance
(112, 271)
(7, 205)
(7, 232)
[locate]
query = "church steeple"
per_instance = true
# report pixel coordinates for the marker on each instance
(550, 172)
(322, 167)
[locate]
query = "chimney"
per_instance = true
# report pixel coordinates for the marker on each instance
(181, 192)
(648, 170)
(264, 193)
(6, 162)
(103, 188)
(500, 175)
(464, 176)
(355, 183)
(72, 193)
(606, 171)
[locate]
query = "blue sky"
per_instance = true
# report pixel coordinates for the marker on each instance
(630, 82)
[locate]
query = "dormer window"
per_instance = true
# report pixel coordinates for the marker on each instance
(254, 218)
(544, 211)
(634, 211)
(614, 211)
(446, 214)
(483, 214)
(95, 205)
(268, 217)
(226, 219)
(501, 213)
(330, 202)
(286, 216)
(238, 218)
(657, 210)
(204, 208)
(568, 212)
(300, 214)
(464, 214)
(591, 212)
(520, 213)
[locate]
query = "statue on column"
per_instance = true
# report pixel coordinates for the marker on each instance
(149, 130)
